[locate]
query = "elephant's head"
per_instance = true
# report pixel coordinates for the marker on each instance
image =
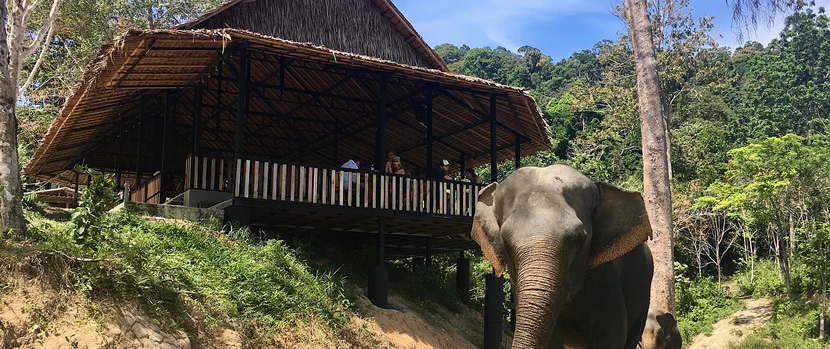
(550, 226)
(661, 331)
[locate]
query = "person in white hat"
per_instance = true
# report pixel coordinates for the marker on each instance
(440, 172)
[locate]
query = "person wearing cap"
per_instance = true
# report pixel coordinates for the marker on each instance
(440, 172)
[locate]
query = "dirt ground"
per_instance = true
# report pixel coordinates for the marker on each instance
(34, 315)
(734, 328)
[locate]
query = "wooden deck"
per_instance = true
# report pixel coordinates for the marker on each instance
(321, 198)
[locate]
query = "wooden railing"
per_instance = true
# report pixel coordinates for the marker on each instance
(148, 192)
(303, 183)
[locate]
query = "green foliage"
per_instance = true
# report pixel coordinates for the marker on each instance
(699, 304)
(766, 282)
(94, 202)
(261, 286)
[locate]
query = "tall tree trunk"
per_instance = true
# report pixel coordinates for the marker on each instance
(656, 183)
(11, 191)
(823, 314)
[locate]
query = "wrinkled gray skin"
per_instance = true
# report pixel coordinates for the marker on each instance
(661, 331)
(576, 254)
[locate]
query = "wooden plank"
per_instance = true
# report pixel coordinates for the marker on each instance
(283, 175)
(265, 180)
(314, 191)
(366, 190)
(247, 185)
(427, 202)
(334, 185)
(310, 192)
(212, 174)
(350, 190)
(256, 178)
(195, 172)
(407, 195)
(204, 173)
(342, 184)
(443, 198)
(357, 190)
(293, 181)
(394, 195)
(464, 200)
(374, 190)
(222, 175)
(238, 170)
(301, 184)
(324, 182)
(187, 174)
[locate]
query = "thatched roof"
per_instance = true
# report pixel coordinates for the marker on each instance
(147, 61)
(353, 26)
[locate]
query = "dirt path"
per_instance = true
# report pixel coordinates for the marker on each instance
(757, 313)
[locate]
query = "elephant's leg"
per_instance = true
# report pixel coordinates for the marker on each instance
(636, 331)
(608, 321)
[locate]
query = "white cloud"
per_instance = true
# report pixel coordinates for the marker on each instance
(763, 32)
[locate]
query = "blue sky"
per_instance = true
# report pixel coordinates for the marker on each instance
(557, 27)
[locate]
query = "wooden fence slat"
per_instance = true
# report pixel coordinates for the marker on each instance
(283, 175)
(301, 183)
(204, 173)
(314, 187)
(265, 181)
(334, 185)
(256, 178)
(375, 190)
(309, 179)
(212, 174)
(365, 190)
(274, 182)
(343, 183)
(324, 183)
(357, 190)
(247, 184)
(238, 176)
(293, 180)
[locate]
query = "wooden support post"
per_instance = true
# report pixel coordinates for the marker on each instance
(77, 191)
(429, 164)
(462, 278)
(378, 274)
(141, 115)
(381, 122)
(164, 147)
(493, 311)
(494, 170)
(518, 152)
(462, 163)
(197, 119)
(119, 152)
(242, 80)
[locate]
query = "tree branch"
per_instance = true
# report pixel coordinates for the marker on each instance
(39, 37)
(31, 78)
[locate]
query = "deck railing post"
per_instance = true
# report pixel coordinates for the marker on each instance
(518, 152)
(429, 137)
(242, 80)
(462, 278)
(493, 311)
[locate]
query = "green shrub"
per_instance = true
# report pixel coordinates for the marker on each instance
(229, 277)
(767, 282)
(94, 202)
(699, 304)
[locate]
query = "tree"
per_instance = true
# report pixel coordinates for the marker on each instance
(17, 42)
(656, 185)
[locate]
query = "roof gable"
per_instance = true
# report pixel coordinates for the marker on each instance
(314, 21)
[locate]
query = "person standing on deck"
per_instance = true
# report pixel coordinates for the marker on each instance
(350, 178)
(440, 172)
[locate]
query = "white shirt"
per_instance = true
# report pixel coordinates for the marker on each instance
(350, 175)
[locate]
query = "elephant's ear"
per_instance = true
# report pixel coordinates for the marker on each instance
(620, 223)
(486, 228)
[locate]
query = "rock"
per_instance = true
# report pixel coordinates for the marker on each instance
(166, 346)
(139, 330)
(35, 329)
(153, 326)
(184, 343)
(114, 331)
(155, 336)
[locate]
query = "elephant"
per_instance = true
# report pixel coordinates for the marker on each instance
(575, 250)
(661, 330)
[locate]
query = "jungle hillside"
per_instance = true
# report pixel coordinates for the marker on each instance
(749, 132)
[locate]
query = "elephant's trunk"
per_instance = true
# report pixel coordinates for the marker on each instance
(540, 293)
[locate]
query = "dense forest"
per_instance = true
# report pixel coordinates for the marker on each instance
(748, 127)
(750, 153)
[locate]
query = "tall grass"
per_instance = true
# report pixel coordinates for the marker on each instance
(256, 286)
